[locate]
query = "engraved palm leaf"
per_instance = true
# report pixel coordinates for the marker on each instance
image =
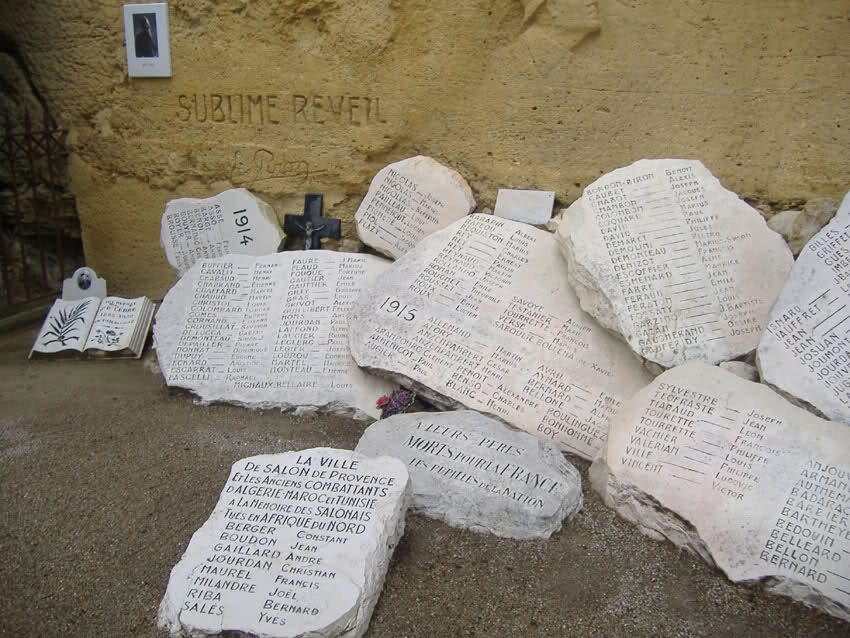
(63, 326)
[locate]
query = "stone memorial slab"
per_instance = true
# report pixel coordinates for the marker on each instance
(529, 207)
(269, 332)
(232, 222)
(474, 472)
(805, 351)
(297, 545)
(682, 268)
(734, 473)
(480, 315)
(408, 200)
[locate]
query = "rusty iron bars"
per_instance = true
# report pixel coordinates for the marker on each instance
(36, 205)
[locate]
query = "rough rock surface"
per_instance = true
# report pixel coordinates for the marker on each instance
(409, 200)
(273, 534)
(660, 253)
(783, 223)
(805, 351)
(481, 315)
(815, 215)
(474, 472)
(742, 369)
(269, 332)
(732, 472)
(232, 222)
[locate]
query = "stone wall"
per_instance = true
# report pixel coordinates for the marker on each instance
(301, 96)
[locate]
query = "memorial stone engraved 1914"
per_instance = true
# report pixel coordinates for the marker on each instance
(297, 545)
(805, 351)
(234, 221)
(408, 200)
(474, 472)
(269, 332)
(731, 471)
(530, 207)
(682, 268)
(480, 315)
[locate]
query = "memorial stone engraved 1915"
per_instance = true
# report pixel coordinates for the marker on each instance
(474, 472)
(312, 225)
(682, 268)
(530, 207)
(234, 221)
(480, 315)
(805, 351)
(297, 545)
(269, 332)
(731, 471)
(408, 200)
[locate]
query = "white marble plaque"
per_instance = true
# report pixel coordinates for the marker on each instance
(529, 207)
(408, 200)
(474, 472)
(805, 351)
(731, 471)
(480, 315)
(298, 544)
(682, 268)
(232, 222)
(269, 332)
(83, 283)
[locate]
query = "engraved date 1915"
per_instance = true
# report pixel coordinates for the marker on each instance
(395, 307)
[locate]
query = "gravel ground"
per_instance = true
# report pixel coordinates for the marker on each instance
(105, 474)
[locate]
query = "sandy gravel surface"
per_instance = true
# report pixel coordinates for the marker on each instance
(105, 474)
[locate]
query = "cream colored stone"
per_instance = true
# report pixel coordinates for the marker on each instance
(730, 471)
(269, 332)
(409, 200)
(506, 92)
(233, 222)
(805, 351)
(660, 253)
(480, 315)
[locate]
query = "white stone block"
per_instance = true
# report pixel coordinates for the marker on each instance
(270, 332)
(729, 470)
(476, 473)
(409, 200)
(529, 207)
(480, 315)
(298, 544)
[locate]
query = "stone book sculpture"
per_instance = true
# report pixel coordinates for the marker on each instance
(113, 327)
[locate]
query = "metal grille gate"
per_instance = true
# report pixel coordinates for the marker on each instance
(40, 228)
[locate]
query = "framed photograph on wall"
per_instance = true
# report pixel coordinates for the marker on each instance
(146, 39)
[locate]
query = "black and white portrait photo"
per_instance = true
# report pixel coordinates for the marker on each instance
(146, 40)
(144, 26)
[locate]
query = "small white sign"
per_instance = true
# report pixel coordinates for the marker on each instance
(146, 35)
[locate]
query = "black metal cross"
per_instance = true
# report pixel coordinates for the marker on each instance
(311, 224)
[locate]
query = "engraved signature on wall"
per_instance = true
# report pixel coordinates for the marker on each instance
(250, 166)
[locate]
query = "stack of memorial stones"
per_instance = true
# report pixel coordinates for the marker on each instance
(510, 325)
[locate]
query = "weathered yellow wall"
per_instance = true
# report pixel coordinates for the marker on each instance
(521, 93)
